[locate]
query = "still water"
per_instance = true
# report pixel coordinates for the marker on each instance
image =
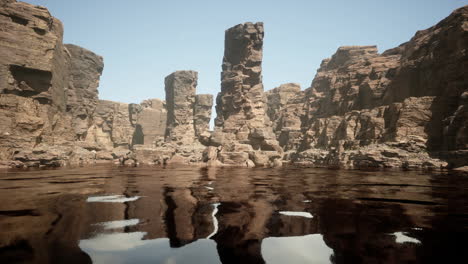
(108, 214)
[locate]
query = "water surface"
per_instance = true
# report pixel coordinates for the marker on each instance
(109, 214)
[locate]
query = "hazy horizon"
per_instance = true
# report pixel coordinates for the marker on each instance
(143, 43)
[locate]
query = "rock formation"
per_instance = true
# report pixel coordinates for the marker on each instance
(188, 116)
(243, 131)
(150, 123)
(202, 115)
(285, 109)
(82, 93)
(180, 97)
(406, 107)
(35, 69)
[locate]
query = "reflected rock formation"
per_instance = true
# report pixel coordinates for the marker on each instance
(138, 215)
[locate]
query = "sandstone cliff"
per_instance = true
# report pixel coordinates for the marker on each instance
(47, 90)
(405, 107)
(50, 111)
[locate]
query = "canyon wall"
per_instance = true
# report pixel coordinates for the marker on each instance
(42, 86)
(51, 115)
(406, 107)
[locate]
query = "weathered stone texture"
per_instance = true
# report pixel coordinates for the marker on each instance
(180, 88)
(240, 106)
(285, 108)
(409, 98)
(32, 97)
(202, 114)
(82, 93)
(152, 122)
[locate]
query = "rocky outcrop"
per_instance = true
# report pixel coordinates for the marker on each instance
(34, 70)
(202, 116)
(180, 139)
(82, 93)
(180, 88)
(401, 108)
(154, 131)
(150, 123)
(51, 114)
(285, 110)
(242, 129)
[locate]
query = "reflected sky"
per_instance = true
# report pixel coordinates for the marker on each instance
(120, 248)
(296, 250)
(111, 199)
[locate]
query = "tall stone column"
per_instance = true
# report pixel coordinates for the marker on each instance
(242, 127)
(180, 89)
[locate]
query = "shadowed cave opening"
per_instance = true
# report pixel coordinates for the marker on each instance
(19, 20)
(138, 136)
(30, 81)
(40, 31)
(20, 251)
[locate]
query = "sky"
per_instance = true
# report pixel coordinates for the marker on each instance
(142, 41)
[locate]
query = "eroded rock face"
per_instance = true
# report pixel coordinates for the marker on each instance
(409, 99)
(202, 115)
(241, 117)
(32, 49)
(82, 93)
(152, 121)
(180, 89)
(285, 110)
(33, 74)
(48, 90)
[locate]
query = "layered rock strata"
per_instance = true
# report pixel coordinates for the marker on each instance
(82, 93)
(285, 108)
(405, 107)
(202, 116)
(180, 88)
(43, 85)
(186, 130)
(243, 132)
(51, 115)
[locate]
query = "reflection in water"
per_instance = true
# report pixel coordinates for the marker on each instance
(119, 223)
(301, 214)
(401, 238)
(168, 215)
(131, 248)
(111, 199)
(292, 250)
(215, 221)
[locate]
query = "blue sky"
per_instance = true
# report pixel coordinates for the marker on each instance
(142, 41)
